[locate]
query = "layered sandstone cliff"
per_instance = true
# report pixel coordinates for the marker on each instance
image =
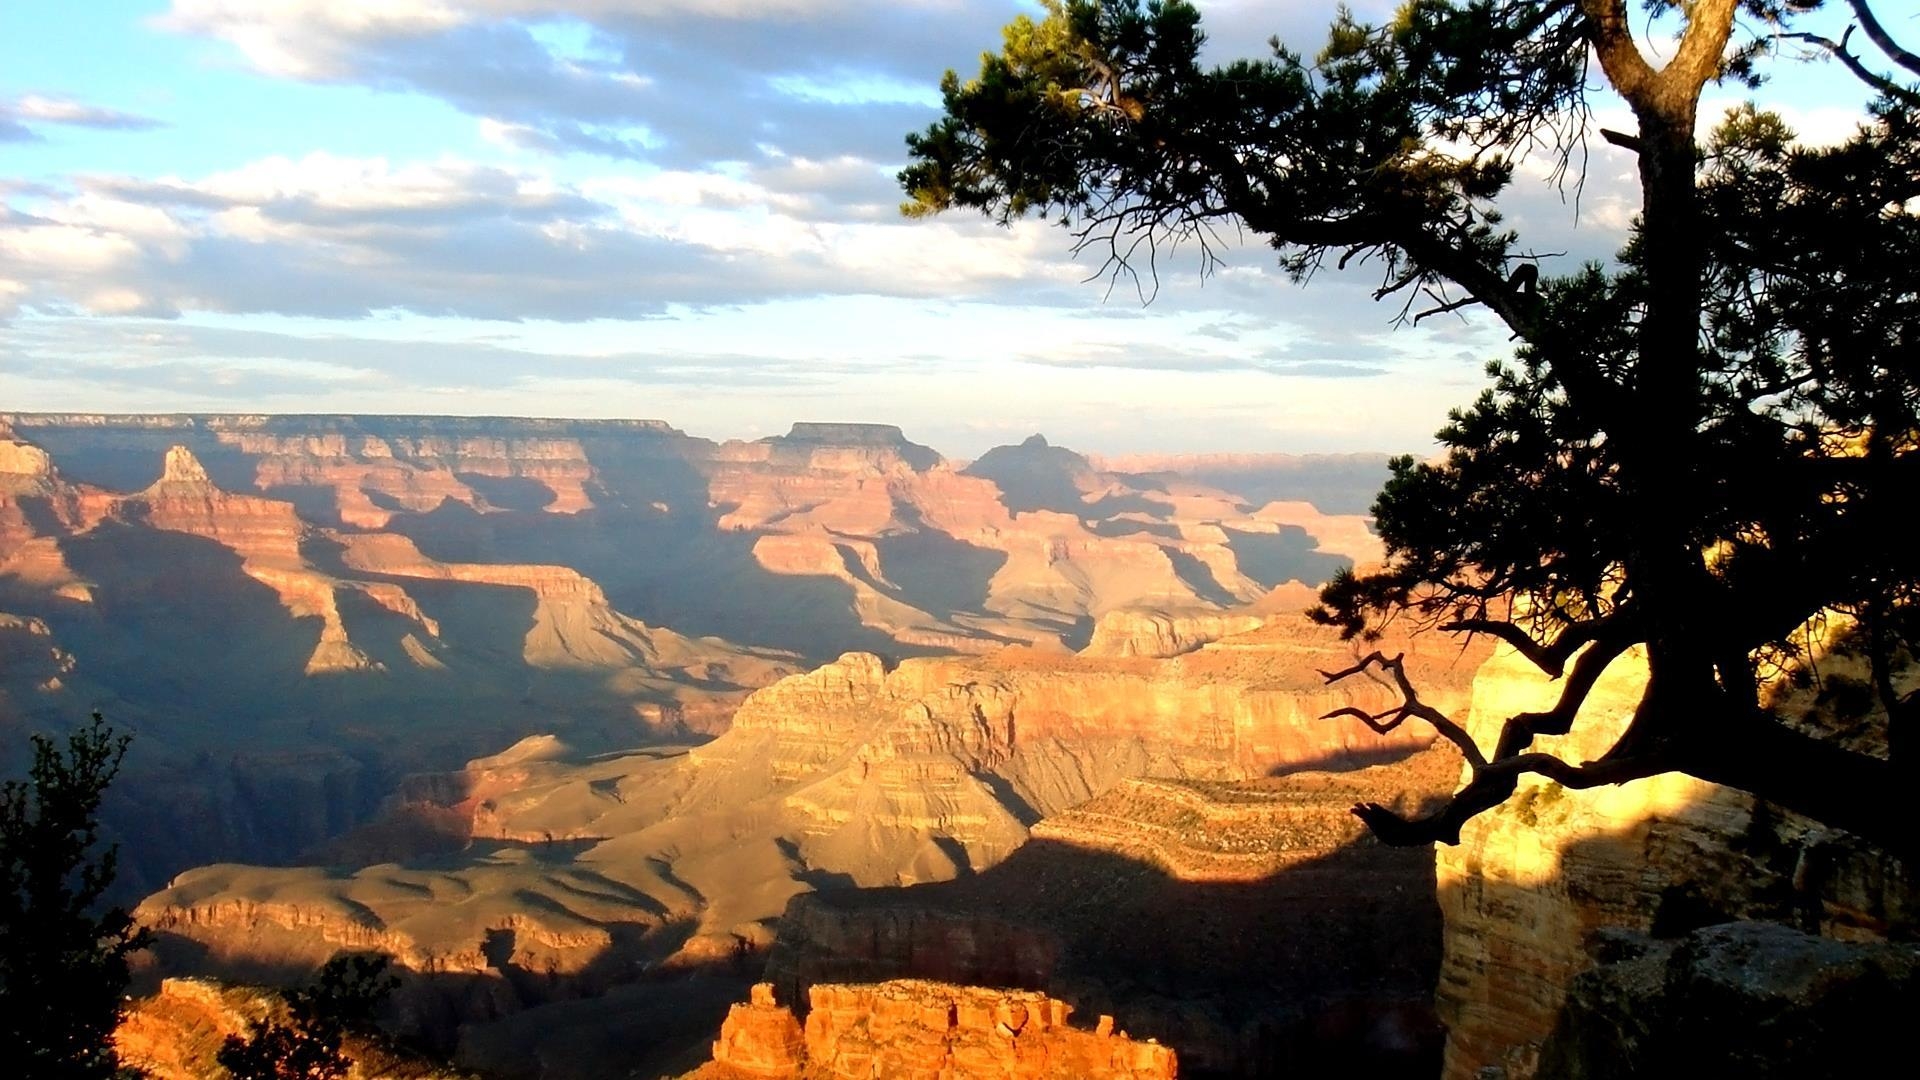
(1251, 924)
(918, 1030)
(579, 868)
(1533, 885)
(1158, 634)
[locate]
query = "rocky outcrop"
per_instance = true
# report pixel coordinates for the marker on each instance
(1252, 924)
(919, 1030)
(1158, 634)
(176, 1033)
(1236, 708)
(1533, 883)
(1746, 999)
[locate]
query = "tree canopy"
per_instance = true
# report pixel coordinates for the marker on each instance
(343, 997)
(1691, 454)
(63, 954)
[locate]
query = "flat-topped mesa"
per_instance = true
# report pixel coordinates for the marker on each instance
(919, 1030)
(360, 470)
(837, 445)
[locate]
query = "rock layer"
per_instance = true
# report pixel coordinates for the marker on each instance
(919, 1030)
(1251, 925)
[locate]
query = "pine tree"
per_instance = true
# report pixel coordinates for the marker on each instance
(63, 954)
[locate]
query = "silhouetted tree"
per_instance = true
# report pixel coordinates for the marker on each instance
(1692, 455)
(342, 998)
(63, 954)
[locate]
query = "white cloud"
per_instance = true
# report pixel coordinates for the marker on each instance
(19, 117)
(341, 236)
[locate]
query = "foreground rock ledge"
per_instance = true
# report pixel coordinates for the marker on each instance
(916, 1030)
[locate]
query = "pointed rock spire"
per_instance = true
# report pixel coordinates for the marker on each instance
(183, 468)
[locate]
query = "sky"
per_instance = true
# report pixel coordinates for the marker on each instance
(673, 209)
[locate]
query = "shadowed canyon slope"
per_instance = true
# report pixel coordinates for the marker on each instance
(294, 613)
(559, 875)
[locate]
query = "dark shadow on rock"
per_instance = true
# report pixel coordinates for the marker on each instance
(1198, 576)
(1288, 555)
(521, 493)
(1003, 792)
(1324, 968)
(822, 880)
(1120, 528)
(227, 640)
(1035, 476)
(934, 572)
(1347, 760)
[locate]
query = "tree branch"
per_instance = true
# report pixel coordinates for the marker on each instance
(1410, 705)
(1838, 50)
(1493, 785)
(1620, 58)
(1709, 26)
(1551, 658)
(1877, 33)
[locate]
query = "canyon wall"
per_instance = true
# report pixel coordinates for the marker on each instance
(292, 613)
(548, 874)
(1534, 886)
(1251, 924)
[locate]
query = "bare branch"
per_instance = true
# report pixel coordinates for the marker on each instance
(1838, 49)
(1463, 302)
(1877, 33)
(1492, 786)
(1410, 704)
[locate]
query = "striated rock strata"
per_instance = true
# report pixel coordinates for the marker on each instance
(919, 1030)
(1249, 924)
(562, 873)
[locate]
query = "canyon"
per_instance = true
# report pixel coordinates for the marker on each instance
(543, 878)
(595, 727)
(368, 598)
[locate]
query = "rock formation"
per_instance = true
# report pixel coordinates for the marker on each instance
(1748, 999)
(1533, 884)
(1249, 924)
(918, 1030)
(1159, 634)
(176, 1033)
(578, 868)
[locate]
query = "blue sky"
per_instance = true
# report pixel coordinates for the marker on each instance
(680, 209)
